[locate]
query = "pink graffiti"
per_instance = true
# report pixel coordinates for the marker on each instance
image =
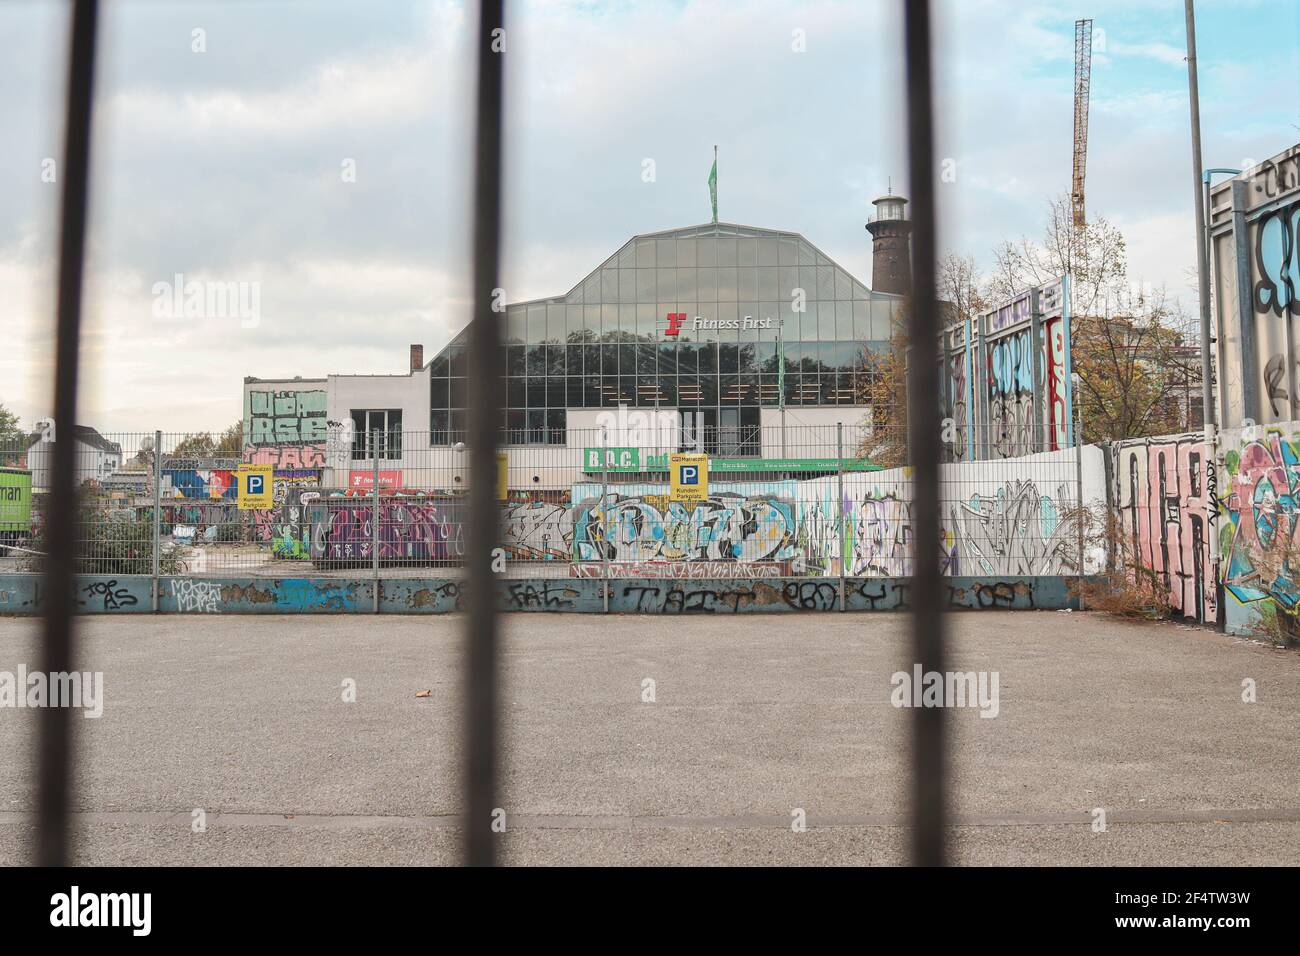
(288, 457)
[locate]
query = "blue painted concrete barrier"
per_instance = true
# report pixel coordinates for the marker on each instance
(21, 594)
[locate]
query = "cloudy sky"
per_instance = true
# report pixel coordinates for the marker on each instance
(228, 164)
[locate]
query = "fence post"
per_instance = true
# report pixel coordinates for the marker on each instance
(1078, 480)
(839, 500)
(157, 515)
(604, 515)
(374, 516)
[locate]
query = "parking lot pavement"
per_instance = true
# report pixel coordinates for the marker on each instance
(637, 739)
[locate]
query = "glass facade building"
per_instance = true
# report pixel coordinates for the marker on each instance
(690, 319)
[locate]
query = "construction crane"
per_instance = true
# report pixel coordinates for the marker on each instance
(1082, 84)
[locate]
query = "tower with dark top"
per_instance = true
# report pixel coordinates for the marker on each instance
(891, 258)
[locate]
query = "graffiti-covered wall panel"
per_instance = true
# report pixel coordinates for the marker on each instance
(284, 425)
(1164, 493)
(1258, 531)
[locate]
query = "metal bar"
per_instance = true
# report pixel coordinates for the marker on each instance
(55, 759)
(374, 519)
(1078, 483)
(839, 501)
(924, 435)
(604, 511)
(485, 417)
(1041, 442)
(1202, 248)
(157, 514)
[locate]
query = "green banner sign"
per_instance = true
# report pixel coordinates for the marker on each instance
(632, 460)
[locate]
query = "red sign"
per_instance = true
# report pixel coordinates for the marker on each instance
(365, 480)
(675, 320)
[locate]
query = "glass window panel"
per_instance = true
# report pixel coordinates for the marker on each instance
(665, 253)
(728, 389)
(747, 357)
(536, 393)
(807, 256)
(645, 253)
(825, 282)
(516, 324)
(708, 389)
(591, 289)
(707, 282)
(555, 391)
(726, 251)
(555, 323)
(707, 356)
(728, 358)
(441, 363)
(860, 291)
(591, 319)
(439, 393)
(667, 359)
(459, 360)
(728, 284)
(555, 359)
(627, 359)
(555, 426)
(707, 252)
(861, 320)
(647, 359)
(627, 285)
(881, 315)
(627, 320)
(789, 253)
(748, 288)
(843, 287)
(767, 252)
(685, 252)
(609, 360)
(787, 282)
(438, 424)
(686, 286)
(516, 392)
(768, 287)
(536, 323)
(844, 320)
(573, 325)
(608, 285)
(808, 281)
(645, 285)
(746, 251)
(666, 284)
(458, 392)
(826, 321)
(536, 426)
(573, 361)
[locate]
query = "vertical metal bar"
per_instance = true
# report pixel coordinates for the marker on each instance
(157, 513)
(839, 501)
(924, 428)
(1078, 482)
(55, 758)
(1202, 247)
(485, 415)
(374, 519)
(604, 512)
(1041, 442)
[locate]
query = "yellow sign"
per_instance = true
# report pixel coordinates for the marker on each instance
(253, 487)
(503, 485)
(689, 477)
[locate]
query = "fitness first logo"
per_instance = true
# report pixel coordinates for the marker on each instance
(677, 321)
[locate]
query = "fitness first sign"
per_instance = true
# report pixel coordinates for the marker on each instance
(677, 321)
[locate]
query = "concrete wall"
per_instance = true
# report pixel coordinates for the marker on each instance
(20, 594)
(1164, 492)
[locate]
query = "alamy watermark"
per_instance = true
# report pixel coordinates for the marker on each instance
(59, 689)
(946, 689)
(203, 299)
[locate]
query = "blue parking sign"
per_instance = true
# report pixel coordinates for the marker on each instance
(690, 475)
(255, 485)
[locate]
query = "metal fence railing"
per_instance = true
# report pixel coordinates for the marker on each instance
(60, 521)
(778, 501)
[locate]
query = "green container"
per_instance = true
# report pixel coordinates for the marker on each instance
(15, 506)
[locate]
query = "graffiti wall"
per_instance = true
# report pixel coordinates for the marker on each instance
(1164, 492)
(997, 520)
(1005, 377)
(635, 523)
(1257, 537)
(411, 529)
(285, 427)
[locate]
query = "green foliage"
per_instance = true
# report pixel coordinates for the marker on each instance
(112, 543)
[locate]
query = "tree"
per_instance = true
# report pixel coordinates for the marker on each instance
(198, 445)
(1137, 374)
(13, 440)
(231, 442)
(959, 288)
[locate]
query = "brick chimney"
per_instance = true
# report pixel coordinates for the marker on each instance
(417, 357)
(891, 260)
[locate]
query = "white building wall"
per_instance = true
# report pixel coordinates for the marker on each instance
(811, 432)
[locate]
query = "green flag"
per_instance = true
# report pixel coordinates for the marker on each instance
(713, 185)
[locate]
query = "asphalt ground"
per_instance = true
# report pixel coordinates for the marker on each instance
(754, 719)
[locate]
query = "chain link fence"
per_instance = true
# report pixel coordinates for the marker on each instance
(773, 501)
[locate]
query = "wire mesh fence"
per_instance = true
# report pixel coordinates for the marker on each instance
(774, 500)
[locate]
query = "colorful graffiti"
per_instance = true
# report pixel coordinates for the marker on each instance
(641, 524)
(1011, 395)
(1259, 561)
(285, 428)
(410, 530)
(1163, 494)
(538, 530)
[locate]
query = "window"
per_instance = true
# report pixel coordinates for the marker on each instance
(387, 422)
